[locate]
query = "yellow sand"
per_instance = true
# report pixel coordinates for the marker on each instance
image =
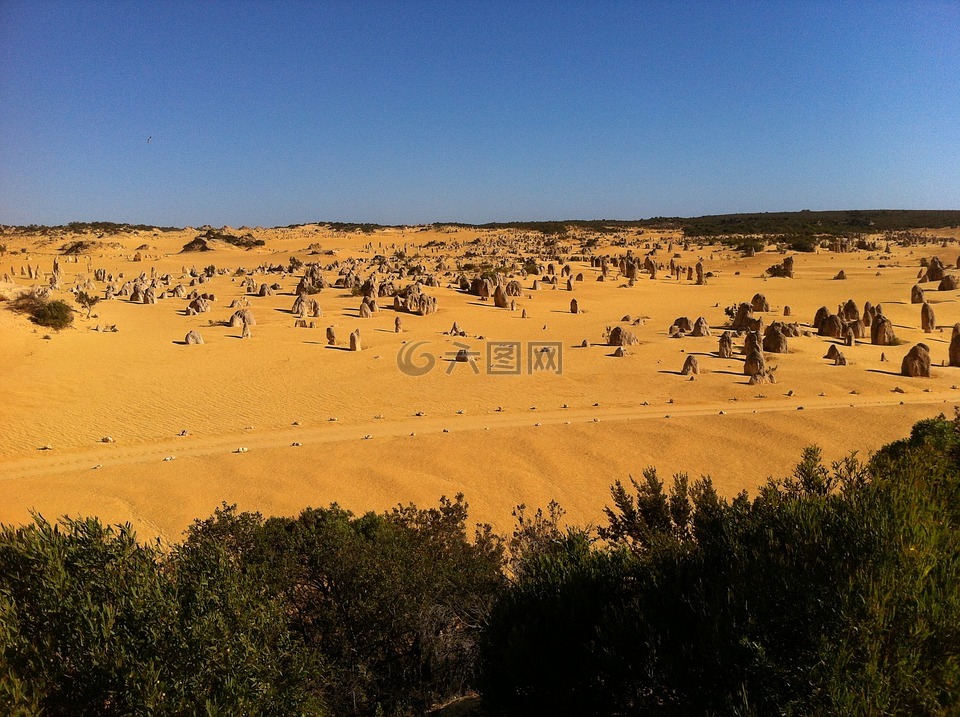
(141, 386)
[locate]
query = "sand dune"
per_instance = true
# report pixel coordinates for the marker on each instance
(141, 386)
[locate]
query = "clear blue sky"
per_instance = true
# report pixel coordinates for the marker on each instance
(276, 113)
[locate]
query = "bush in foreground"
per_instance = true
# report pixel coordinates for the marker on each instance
(833, 591)
(94, 622)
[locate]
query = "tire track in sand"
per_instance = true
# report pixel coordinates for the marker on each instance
(48, 463)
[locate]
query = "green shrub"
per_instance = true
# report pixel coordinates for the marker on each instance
(87, 301)
(94, 622)
(53, 314)
(834, 591)
(802, 243)
(390, 604)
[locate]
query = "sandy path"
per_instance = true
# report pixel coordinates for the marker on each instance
(48, 463)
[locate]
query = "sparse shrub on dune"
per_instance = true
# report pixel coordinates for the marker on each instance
(42, 311)
(87, 301)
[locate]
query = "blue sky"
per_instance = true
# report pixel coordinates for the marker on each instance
(412, 112)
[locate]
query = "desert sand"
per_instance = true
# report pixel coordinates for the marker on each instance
(500, 439)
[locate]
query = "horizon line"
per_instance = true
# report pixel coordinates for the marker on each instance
(479, 225)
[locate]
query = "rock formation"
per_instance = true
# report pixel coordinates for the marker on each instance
(700, 327)
(928, 321)
(620, 336)
(850, 312)
(198, 306)
(690, 366)
(822, 313)
(754, 363)
(759, 303)
(881, 332)
(743, 320)
(917, 362)
(935, 270)
(955, 346)
(831, 326)
(774, 341)
(752, 342)
(725, 348)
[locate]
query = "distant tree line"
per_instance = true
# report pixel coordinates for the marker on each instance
(349, 227)
(833, 591)
(92, 228)
(825, 224)
(787, 225)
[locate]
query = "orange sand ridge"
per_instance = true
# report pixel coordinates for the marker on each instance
(501, 440)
